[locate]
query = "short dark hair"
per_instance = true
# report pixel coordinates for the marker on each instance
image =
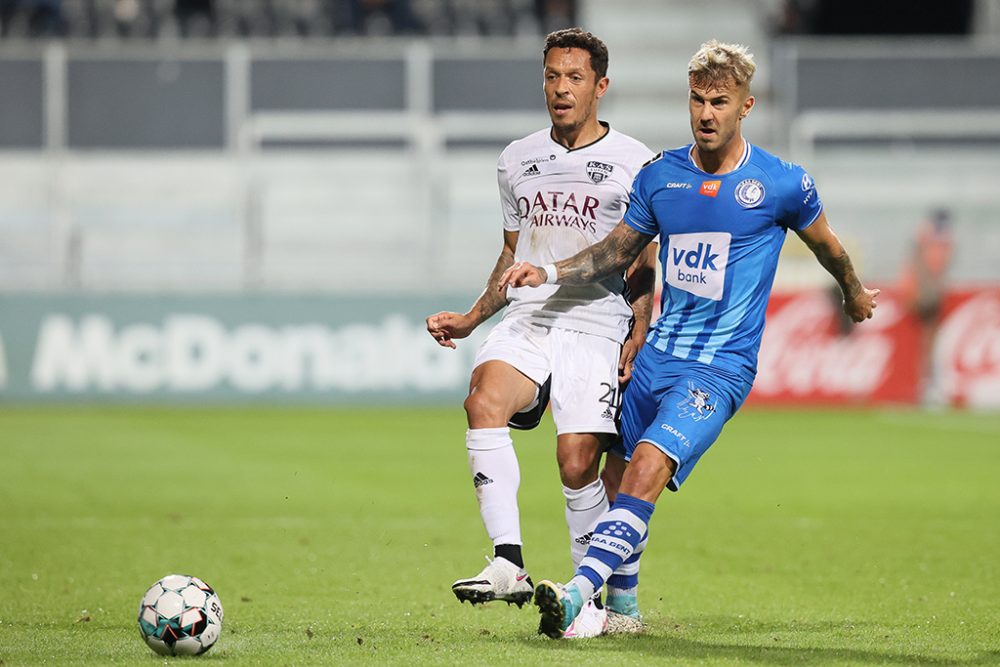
(577, 38)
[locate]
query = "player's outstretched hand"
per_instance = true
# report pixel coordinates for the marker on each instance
(521, 274)
(446, 327)
(862, 306)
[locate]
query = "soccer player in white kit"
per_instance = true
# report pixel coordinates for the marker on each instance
(562, 189)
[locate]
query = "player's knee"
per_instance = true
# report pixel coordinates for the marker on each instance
(578, 470)
(482, 407)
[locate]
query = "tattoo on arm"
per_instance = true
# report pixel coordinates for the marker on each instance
(641, 281)
(611, 255)
(491, 301)
(834, 258)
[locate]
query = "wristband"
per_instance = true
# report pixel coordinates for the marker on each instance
(550, 274)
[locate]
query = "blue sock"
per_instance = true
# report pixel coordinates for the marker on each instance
(615, 539)
(626, 577)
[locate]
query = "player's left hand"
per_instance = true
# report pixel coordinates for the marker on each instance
(521, 274)
(862, 306)
(629, 350)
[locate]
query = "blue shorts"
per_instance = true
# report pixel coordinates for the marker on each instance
(677, 405)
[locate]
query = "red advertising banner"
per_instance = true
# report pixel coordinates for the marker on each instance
(967, 349)
(811, 355)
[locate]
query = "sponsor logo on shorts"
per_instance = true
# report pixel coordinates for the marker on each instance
(677, 434)
(697, 404)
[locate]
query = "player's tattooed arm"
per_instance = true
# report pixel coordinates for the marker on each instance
(859, 302)
(609, 256)
(641, 278)
(490, 301)
(446, 327)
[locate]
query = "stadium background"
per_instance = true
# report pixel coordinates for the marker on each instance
(262, 200)
(222, 223)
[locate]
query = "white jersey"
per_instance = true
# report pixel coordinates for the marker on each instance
(561, 201)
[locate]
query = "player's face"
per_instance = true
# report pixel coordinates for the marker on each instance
(572, 88)
(716, 112)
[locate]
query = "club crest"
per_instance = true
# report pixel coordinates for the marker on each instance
(749, 193)
(696, 404)
(598, 171)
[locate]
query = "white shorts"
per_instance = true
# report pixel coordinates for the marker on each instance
(584, 370)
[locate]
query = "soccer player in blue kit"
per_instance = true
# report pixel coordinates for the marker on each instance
(721, 208)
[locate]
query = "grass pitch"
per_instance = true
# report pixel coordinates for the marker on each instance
(332, 537)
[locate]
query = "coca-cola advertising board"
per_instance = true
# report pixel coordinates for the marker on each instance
(811, 355)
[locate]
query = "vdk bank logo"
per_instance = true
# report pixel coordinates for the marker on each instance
(696, 263)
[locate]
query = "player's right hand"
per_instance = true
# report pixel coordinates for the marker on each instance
(521, 274)
(862, 306)
(444, 327)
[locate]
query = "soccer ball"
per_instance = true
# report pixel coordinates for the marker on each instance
(180, 615)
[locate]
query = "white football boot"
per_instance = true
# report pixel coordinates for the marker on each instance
(592, 621)
(500, 580)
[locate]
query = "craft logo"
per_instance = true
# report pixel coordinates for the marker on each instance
(679, 186)
(598, 171)
(710, 188)
(750, 193)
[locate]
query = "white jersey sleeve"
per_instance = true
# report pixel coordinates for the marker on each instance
(508, 204)
(562, 201)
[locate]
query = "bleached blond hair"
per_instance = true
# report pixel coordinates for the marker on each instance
(717, 64)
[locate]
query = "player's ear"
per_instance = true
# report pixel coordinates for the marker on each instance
(602, 86)
(747, 106)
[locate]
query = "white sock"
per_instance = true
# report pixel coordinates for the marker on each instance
(496, 476)
(583, 508)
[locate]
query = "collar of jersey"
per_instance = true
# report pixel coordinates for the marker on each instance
(739, 165)
(580, 148)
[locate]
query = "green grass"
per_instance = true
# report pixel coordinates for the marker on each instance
(332, 537)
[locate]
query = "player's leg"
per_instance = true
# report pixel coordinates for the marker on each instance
(579, 459)
(612, 472)
(496, 392)
(623, 585)
(584, 403)
(664, 455)
(616, 537)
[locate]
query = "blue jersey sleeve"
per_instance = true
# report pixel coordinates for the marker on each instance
(800, 202)
(639, 215)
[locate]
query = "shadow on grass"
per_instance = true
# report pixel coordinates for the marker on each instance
(763, 644)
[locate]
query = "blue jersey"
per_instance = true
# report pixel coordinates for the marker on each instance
(720, 237)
